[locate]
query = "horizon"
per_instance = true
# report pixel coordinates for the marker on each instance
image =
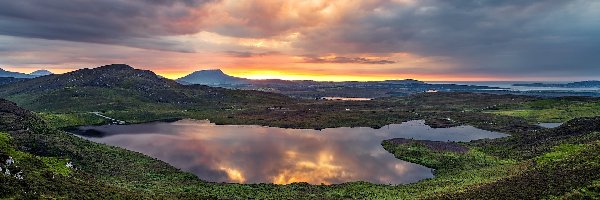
(31, 70)
(323, 40)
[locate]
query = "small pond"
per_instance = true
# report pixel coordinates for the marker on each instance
(549, 125)
(258, 154)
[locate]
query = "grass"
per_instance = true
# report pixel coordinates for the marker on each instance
(560, 152)
(55, 165)
(591, 191)
(532, 163)
(66, 120)
(416, 152)
(552, 110)
(435, 109)
(567, 170)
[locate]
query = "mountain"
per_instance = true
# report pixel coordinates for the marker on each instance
(41, 72)
(4, 73)
(211, 77)
(35, 74)
(119, 87)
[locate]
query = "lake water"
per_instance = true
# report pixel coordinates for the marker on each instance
(346, 98)
(258, 154)
(549, 125)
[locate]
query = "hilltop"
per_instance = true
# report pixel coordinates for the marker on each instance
(212, 77)
(38, 73)
(4, 73)
(41, 72)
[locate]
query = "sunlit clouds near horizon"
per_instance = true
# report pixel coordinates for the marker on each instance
(332, 40)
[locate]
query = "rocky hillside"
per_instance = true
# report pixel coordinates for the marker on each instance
(38, 161)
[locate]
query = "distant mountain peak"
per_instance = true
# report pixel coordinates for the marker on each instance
(211, 77)
(4, 73)
(119, 70)
(41, 72)
(211, 71)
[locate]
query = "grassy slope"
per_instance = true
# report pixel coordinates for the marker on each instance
(39, 155)
(548, 163)
(135, 95)
(553, 110)
(111, 169)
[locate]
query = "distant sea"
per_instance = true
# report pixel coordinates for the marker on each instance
(509, 85)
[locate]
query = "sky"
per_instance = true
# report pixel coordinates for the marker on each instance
(335, 40)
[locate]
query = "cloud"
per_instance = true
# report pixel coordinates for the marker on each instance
(487, 37)
(504, 38)
(267, 18)
(248, 54)
(357, 60)
(129, 23)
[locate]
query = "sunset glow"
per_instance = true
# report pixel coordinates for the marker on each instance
(325, 40)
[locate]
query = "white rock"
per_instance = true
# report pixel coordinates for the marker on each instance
(19, 176)
(10, 161)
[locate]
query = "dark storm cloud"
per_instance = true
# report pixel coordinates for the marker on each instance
(123, 22)
(493, 37)
(356, 60)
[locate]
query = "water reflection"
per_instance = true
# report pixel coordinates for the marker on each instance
(549, 125)
(256, 154)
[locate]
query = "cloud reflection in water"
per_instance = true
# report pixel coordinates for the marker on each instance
(256, 154)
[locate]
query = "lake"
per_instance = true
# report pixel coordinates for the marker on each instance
(258, 154)
(346, 98)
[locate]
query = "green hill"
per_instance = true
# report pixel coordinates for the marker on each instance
(119, 87)
(128, 94)
(41, 156)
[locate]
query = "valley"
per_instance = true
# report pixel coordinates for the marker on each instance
(531, 162)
